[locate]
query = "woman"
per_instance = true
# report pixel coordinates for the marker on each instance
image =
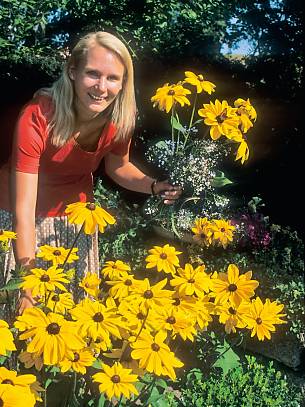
(60, 138)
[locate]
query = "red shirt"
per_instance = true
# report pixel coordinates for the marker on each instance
(65, 173)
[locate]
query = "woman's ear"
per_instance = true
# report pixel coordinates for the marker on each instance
(71, 73)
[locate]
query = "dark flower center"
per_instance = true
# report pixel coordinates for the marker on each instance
(114, 267)
(98, 317)
(171, 92)
(155, 347)
(55, 298)
(232, 287)
(148, 294)
(116, 378)
(44, 278)
(163, 256)
(87, 285)
(177, 301)
(7, 381)
(191, 280)
(222, 117)
(91, 206)
(57, 252)
(259, 321)
(76, 357)
(171, 320)
(202, 235)
(222, 230)
(53, 328)
(128, 282)
(140, 316)
(1, 232)
(232, 311)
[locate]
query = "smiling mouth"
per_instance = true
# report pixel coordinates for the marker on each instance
(96, 98)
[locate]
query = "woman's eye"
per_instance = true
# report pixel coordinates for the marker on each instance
(93, 74)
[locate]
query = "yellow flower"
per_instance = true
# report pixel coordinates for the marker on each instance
(147, 296)
(191, 281)
(10, 396)
(178, 323)
(261, 318)
(204, 309)
(97, 320)
(233, 316)
(7, 339)
(57, 255)
(167, 96)
(220, 116)
(183, 303)
(245, 107)
(115, 269)
(42, 281)
(202, 231)
(77, 361)
(164, 258)
(233, 287)
(90, 215)
(116, 381)
(138, 318)
(123, 286)
(222, 231)
(154, 355)
(243, 149)
(199, 82)
(21, 383)
(51, 335)
(90, 283)
(60, 303)
(31, 359)
(6, 235)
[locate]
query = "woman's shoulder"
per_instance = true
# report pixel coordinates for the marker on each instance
(41, 105)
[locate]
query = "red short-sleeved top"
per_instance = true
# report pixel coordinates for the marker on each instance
(65, 173)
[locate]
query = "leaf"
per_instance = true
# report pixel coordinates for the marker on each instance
(227, 358)
(97, 364)
(161, 383)
(177, 125)
(12, 284)
(101, 401)
(220, 180)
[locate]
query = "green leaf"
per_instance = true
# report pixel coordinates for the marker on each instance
(227, 358)
(101, 401)
(161, 383)
(97, 364)
(177, 125)
(220, 180)
(13, 284)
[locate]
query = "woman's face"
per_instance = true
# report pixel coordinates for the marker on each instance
(97, 81)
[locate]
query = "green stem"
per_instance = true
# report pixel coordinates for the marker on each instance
(73, 244)
(119, 403)
(173, 132)
(191, 122)
(142, 326)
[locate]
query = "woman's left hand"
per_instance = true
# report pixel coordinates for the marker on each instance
(167, 191)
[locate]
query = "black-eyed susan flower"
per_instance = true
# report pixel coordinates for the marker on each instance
(154, 355)
(245, 107)
(178, 323)
(202, 231)
(222, 231)
(57, 255)
(123, 286)
(6, 235)
(42, 281)
(78, 361)
(116, 381)
(200, 83)
(10, 396)
(163, 258)
(168, 95)
(60, 303)
(233, 316)
(150, 296)
(204, 309)
(7, 339)
(136, 318)
(261, 318)
(233, 287)
(190, 281)
(21, 383)
(220, 116)
(90, 283)
(114, 269)
(89, 214)
(31, 359)
(51, 335)
(243, 152)
(94, 319)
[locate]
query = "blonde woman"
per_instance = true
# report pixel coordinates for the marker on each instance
(60, 138)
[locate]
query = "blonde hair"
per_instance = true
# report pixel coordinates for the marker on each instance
(123, 109)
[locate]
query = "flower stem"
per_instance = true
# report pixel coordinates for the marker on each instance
(191, 122)
(73, 244)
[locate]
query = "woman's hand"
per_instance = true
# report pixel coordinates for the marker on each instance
(167, 191)
(25, 301)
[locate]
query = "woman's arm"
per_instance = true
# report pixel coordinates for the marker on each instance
(124, 173)
(24, 194)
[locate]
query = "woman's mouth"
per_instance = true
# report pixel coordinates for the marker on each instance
(96, 98)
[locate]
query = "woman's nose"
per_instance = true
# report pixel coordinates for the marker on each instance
(102, 84)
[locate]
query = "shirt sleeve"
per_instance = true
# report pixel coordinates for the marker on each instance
(29, 139)
(121, 148)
